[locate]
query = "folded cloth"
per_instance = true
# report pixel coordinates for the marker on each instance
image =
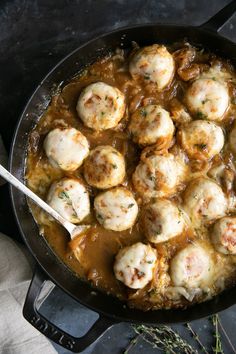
(17, 336)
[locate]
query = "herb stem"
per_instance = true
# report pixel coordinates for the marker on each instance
(132, 343)
(217, 349)
(226, 336)
(197, 339)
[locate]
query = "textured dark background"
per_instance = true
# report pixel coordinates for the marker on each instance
(34, 36)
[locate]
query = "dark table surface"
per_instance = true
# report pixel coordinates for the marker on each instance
(34, 36)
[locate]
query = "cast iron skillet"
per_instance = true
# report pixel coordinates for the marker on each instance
(110, 309)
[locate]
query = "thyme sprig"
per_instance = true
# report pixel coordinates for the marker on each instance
(170, 342)
(164, 338)
(217, 348)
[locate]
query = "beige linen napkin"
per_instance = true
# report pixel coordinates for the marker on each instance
(17, 336)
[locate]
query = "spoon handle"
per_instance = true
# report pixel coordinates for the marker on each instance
(16, 183)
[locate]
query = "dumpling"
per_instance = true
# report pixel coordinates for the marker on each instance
(204, 200)
(162, 220)
(157, 176)
(192, 267)
(154, 64)
(151, 124)
(101, 106)
(208, 99)
(66, 148)
(116, 209)
(223, 235)
(134, 265)
(201, 139)
(70, 199)
(105, 167)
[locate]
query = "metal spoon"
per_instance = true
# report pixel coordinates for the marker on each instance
(74, 230)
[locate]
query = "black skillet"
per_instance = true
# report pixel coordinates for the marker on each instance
(110, 309)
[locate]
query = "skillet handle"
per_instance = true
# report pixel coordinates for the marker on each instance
(50, 330)
(216, 22)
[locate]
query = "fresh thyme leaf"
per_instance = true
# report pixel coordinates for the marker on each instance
(143, 112)
(152, 178)
(206, 100)
(114, 166)
(201, 146)
(130, 205)
(146, 76)
(201, 115)
(65, 196)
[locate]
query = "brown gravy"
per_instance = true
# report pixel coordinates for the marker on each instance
(99, 246)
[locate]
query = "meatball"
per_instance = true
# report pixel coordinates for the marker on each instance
(154, 64)
(70, 199)
(232, 139)
(192, 267)
(151, 124)
(101, 106)
(134, 265)
(66, 148)
(162, 220)
(224, 235)
(104, 168)
(157, 176)
(201, 139)
(204, 200)
(116, 209)
(208, 99)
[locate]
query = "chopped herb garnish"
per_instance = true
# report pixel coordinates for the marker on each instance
(64, 195)
(99, 216)
(130, 205)
(147, 77)
(152, 178)
(149, 262)
(114, 166)
(201, 115)
(201, 146)
(213, 78)
(143, 112)
(206, 100)
(102, 113)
